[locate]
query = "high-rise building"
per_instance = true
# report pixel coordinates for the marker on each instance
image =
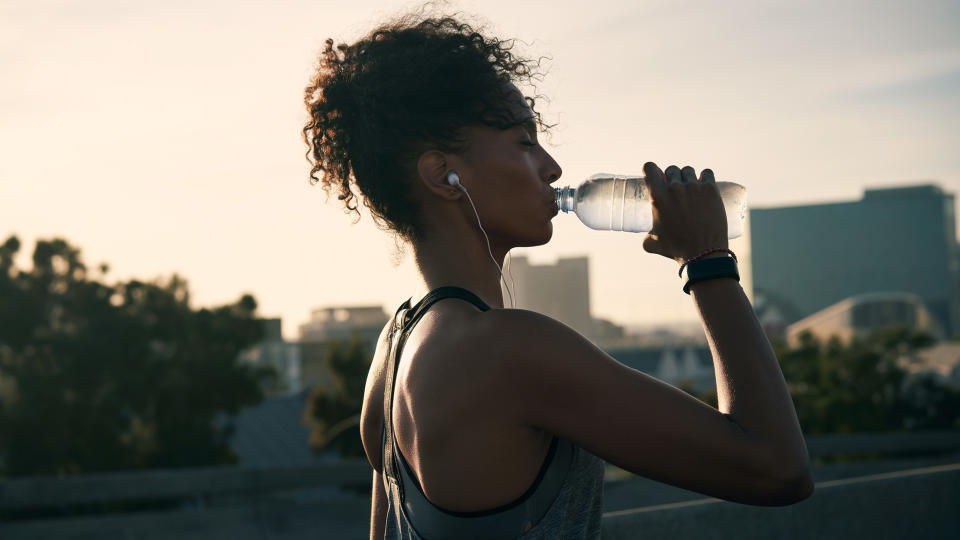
(560, 291)
(901, 239)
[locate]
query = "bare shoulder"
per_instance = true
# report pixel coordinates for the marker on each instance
(555, 379)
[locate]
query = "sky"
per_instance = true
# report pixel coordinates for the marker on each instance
(164, 137)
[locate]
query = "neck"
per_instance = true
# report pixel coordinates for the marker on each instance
(457, 255)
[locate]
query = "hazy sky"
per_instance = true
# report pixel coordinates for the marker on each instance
(164, 137)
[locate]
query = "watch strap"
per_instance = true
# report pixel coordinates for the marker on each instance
(704, 269)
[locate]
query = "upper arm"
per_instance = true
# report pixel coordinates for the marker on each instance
(371, 411)
(558, 381)
(378, 508)
(372, 417)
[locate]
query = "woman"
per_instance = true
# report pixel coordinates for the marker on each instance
(499, 421)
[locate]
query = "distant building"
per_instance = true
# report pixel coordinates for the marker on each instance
(664, 335)
(774, 314)
(942, 359)
(282, 356)
(863, 314)
(687, 365)
(314, 368)
(342, 323)
(806, 258)
(303, 364)
(560, 291)
(605, 331)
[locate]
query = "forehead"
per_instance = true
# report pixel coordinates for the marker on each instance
(517, 104)
(512, 111)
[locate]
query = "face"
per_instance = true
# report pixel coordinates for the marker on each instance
(508, 175)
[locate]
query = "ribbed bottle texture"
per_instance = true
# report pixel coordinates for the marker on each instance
(613, 202)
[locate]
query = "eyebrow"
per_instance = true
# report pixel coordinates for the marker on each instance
(530, 124)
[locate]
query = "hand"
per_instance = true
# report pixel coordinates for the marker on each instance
(688, 214)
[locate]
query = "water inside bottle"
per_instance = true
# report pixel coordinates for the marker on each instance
(614, 203)
(610, 202)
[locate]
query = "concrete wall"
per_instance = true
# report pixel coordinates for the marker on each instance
(921, 503)
(897, 498)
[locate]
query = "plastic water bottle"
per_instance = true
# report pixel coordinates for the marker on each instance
(614, 202)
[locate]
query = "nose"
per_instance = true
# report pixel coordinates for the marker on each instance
(552, 170)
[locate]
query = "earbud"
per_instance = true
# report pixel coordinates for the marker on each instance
(453, 178)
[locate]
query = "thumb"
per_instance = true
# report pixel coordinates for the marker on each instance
(651, 244)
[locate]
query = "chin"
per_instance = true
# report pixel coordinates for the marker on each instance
(549, 234)
(540, 239)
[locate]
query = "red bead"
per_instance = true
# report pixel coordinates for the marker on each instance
(705, 253)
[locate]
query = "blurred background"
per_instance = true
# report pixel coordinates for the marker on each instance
(186, 323)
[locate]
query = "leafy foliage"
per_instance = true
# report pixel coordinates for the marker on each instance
(98, 377)
(862, 387)
(334, 411)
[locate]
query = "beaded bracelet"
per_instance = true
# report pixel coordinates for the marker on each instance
(704, 254)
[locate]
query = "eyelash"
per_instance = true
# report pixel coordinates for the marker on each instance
(528, 143)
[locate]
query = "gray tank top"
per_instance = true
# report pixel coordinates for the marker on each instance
(565, 500)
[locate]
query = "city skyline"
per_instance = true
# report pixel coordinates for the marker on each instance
(165, 138)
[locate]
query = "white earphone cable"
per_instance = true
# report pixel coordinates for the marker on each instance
(510, 273)
(488, 243)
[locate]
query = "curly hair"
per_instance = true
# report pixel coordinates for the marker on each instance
(408, 86)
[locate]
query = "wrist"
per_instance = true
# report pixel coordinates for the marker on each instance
(684, 260)
(715, 255)
(713, 283)
(709, 267)
(706, 254)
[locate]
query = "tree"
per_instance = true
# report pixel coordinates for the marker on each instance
(98, 377)
(860, 387)
(334, 411)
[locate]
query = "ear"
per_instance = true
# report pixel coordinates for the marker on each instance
(432, 169)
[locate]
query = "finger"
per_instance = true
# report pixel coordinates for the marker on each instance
(654, 176)
(689, 175)
(673, 175)
(651, 244)
(706, 176)
(651, 170)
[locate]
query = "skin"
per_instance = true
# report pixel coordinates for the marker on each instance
(479, 395)
(507, 453)
(498, 162)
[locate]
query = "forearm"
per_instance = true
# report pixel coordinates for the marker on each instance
(750, 385)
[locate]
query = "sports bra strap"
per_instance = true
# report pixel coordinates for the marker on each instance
(403, 321)
(413, 315)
